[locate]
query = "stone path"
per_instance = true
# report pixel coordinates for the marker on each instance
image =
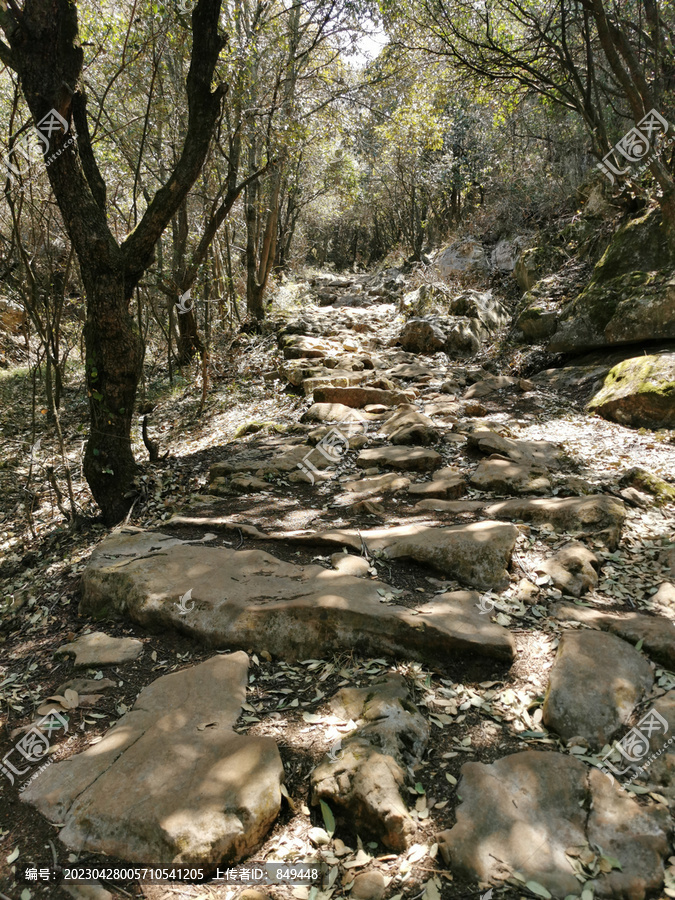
(467, 531)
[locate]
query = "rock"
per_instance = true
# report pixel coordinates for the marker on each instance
(347, 564)
(596, 683)
(358, 397)
(390, 482)
(667, 560)
(171, 782)
(99, 649)
(636, 498)
(631, 296)
(249, 483)
(652, 484)
(407, 423)
(458, 507)
(488, 386)
(329, 412)
(639, 392)
(12, 316)
(422, 336)
(541, 804)
(368, 886)
(337, 378)
(505, 477)
(657, 766)
(319, 837)
(656, 633)
(364, 784)
(505, 254)
(297, 346)
(477, 555)
(87, 891)
(665, 594)
(537, 324)
(415, 435)
(572, 569)
(599, 515)
(415, 459)
(460, 256)
(526, 592)
(534, 453)
(85, 685)
(476, 410)
(250, 599)
(446, 483)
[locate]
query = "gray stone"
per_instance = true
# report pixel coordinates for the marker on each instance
(506, 477)
(347, 564)
(390, 482)
(572, 569)
(596, 683)
(534, 453)
(413, 459)
(599, 515)
(446, 483)
(368, 886)
(171, 782)
(542, 804)
(488, 386)
(477, 555)
(250, 599)
(99, 649)
(656, 633)
(364, 783)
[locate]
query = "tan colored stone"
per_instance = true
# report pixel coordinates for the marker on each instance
(504, 476)
(99, 649)
(596, 683)
(413, 459)
(572, 569)
(347, 564)
(250, 599)
(358, 397)
(390, 482)
(171, 782)
(540, 805)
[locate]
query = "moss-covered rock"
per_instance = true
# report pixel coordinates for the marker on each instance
(631, 296)
(648, 482)
(639, 392)
(536, 323)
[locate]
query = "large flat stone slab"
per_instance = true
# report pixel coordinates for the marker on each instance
(358, 397)
(599, 514)
(524, 811)
(503, 476)
(533, 453)
(171, 783)
(250, 599)
(596, 683)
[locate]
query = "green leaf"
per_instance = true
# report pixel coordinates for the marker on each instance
(639, 644)
(328, 818)
(419, 788)
(96, 452)
(538, 889)
(97, 396)
(614, 862)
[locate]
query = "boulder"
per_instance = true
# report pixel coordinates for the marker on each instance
(364, 784)
(422, 336)
(459, 257)
(447, 483)
(171, 782)
(542, 804)
(543, 454)
(631, 296)
(537, 323)
(639, 392)
(506, 477)
(596, 682)
(250, 599)
(477, 554)
(573, 569)
(488, 386)
(647, 482)
(656, 633)
(600, 515)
